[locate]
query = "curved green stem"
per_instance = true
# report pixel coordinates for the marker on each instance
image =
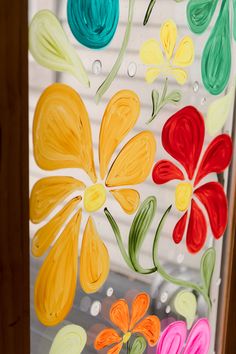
(108, 81)
(148, 12)
(119, 240)
(167, 276)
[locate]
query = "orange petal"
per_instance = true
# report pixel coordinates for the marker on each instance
(119, 315)
(134, 162)
(47, 234)
(56, 282)
(61, 131)
(105, 338)
(127, 198)
(94, 260)
(139, 308)
(116, 349)
(150, 328)
(119, 118)
(48, 192)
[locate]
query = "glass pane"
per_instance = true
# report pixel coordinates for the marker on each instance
(129, 159)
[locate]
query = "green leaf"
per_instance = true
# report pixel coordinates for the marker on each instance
(218, 112)
(234, 19)
(138, 231)
(200, 13)
(149, 11)
(119, 240)
(216, 68)
(207, 267)
(71, 339)
(155, 102)
(138, 346)
(51, 48)
(186, 305)
(174, 97)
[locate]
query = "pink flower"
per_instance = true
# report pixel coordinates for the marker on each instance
(176, 340)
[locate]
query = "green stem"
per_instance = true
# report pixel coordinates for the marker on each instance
(149, 11)
(167, 276)
(108, 81)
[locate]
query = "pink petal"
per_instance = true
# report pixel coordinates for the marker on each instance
(199, 338)
(172, 339)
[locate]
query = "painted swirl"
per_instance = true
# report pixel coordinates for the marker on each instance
(93, 22)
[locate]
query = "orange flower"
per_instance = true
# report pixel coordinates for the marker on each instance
(149, 327)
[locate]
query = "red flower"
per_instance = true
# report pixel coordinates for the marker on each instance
(183, 138)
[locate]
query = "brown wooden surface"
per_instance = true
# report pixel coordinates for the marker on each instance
(226, 326)
(14, 264)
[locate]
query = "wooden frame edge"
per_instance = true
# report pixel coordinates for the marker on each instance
(226, 321)
(14, 176)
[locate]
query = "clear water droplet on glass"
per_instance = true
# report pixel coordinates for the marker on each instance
(203, 101)
(95, 308)
(85, 303)
(218, 282)
(196, 86)
(110, 292)
(180, 258)
(132, 69)
(168, 309)
(97, 67)
(164, 297)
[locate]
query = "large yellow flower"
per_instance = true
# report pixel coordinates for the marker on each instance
(62, 139)
(173, 64)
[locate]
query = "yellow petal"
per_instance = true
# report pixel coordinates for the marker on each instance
(184, 55)
(134, 162)
(152, 74)
(56, 282)
(127, 198)
(150, 52)
(119, 118)
(168, 37)
(94, 260)
(48, 192)
(47, 234)
(61, 131)
(180, 75)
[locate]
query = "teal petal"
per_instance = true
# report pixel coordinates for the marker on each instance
(200, 13)
(216, 59)
(93, 22)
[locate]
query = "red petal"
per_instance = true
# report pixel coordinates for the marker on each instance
(197, 229)
(165, 171)
(216, 157)
(212, 196)
(179, 229)
(183, 136)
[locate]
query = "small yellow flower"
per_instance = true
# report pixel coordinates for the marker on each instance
(62, 138)
(172, 65)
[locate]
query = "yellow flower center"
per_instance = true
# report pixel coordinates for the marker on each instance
(126, 337)
(183, 195)
(94, 197)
